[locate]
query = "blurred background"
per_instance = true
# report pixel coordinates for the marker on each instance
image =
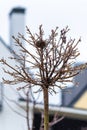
(49, 13)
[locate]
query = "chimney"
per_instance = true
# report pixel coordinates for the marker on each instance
(17, 24)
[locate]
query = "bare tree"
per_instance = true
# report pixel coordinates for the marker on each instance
(52, 60)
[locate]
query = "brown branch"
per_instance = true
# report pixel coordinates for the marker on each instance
(55, 120)
(25, 50)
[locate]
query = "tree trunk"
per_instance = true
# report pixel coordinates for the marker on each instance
(46, 109)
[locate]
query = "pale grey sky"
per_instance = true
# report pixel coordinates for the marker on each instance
(50, 13)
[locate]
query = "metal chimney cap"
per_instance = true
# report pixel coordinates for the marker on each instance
(17, 10)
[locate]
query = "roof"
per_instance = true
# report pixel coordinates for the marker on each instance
(75, 92)
(3, 42)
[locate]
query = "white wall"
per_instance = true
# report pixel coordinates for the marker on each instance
(9, 120)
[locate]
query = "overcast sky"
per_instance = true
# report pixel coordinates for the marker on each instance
(50, 13)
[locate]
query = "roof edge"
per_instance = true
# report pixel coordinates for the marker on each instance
(3, 42)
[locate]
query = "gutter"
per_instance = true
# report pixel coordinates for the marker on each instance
(80, 114)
